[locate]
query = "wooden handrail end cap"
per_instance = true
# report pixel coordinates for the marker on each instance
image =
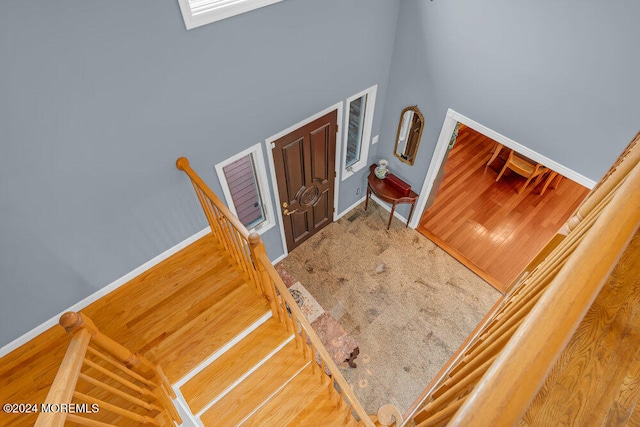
(182, 163)
(70, 320)
(254, 238)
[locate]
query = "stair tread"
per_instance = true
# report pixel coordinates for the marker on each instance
(199, 338)
(151, 329)
(168, 278)
(224, 371)
(323, 411)
(292, 399)
(256, 388)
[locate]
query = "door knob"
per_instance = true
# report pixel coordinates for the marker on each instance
(288, 212)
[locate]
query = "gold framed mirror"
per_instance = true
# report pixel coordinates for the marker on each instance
(409, 134)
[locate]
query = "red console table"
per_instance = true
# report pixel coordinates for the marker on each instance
(389, 194)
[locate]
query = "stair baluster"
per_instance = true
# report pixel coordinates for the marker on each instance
(499, 369)
(248, 254)
(145, 397)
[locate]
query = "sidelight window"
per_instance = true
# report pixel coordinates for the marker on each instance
(246, 190)
(358, 122)
(200, 12)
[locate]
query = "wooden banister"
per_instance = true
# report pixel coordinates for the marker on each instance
(83, 421)
(309, 335)
(183, 164)
(226, 227)
(150, 380)
(248, 254)
(629, 159)
(494, 377)
(64, 384)
(72, 322)
(140, 419)
(524, 363)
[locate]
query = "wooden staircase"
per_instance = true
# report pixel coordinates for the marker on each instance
(562, 346)
(273, 370)
(214, 336)
(251, 370)
(214, 324)
(236, 349)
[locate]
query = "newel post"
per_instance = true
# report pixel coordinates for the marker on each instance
(73, 322)
(389, 415)
(257, 248)
(182, 163)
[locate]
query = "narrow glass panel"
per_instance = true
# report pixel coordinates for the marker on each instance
(357, 109)
(245, 192)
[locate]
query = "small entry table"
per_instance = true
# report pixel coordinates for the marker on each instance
(389, 194)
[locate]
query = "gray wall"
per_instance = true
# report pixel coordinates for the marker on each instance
(98, 99)
(558, 77)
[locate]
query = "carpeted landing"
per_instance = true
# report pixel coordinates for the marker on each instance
(407, 302)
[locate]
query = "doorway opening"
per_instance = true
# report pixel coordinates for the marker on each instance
(489, 226)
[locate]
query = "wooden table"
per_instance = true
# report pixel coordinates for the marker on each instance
(389, 194)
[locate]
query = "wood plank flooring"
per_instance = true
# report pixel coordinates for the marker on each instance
(485, 224)
(266, 381)
(154, 314)
(302, 390)
(200, 390)
(596, 380)
(178, 314)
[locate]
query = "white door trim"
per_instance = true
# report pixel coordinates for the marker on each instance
(441, 150)
(274, 182)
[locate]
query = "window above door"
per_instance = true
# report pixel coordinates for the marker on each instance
(357, 134)
(201, 12)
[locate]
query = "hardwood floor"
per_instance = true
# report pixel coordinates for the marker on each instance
(212, 334)
(485, 224)
(596, 380)
(161, 313)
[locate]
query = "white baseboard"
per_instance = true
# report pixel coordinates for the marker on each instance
(350, 208)
(188, 419)
(526, 151)
(375, 198)
(6, 349)
(440, 153)
(280, 258)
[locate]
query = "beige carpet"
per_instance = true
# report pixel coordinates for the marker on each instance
(408, 303)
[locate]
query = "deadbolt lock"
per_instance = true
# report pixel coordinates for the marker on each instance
(285, 205)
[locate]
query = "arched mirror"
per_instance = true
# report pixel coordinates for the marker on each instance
(409, 133)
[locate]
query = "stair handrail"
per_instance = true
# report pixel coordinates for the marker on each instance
(151, 380)
(628, 159)
(183, 164)
(509, 386)
(499, 370)
(316, 344)
(251, 258)
(225, 226)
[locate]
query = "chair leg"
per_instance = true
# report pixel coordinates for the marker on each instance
(557, 183)
(525, 184)
(550, 178)
(502, 171)
(496, 151)
(539, 178)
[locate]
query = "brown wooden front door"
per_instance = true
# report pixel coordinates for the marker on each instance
(305, 170)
